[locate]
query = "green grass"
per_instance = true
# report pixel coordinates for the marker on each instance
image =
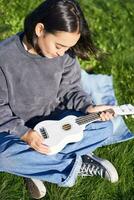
(112, 28)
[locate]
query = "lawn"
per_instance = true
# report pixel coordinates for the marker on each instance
(112, 28)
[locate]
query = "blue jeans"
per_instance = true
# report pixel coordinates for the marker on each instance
(16, 157)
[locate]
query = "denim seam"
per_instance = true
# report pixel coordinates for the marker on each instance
(70, 180)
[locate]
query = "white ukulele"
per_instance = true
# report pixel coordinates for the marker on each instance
(59, 133)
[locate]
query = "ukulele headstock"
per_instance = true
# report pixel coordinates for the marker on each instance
(126, 109)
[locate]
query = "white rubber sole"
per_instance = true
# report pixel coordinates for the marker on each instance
(36, 188)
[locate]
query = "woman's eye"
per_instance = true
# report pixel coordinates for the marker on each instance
(58, 47)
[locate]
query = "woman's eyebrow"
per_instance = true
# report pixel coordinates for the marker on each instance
(61, 45)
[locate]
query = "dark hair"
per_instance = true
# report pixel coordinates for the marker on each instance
(61, 15)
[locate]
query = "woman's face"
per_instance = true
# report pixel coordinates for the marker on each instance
(53, 45)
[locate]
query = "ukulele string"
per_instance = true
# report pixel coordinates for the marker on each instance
(91, 116)
(87, 118)
(84, 119)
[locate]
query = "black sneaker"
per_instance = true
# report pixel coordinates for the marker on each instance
(35, 187)
(94, 166)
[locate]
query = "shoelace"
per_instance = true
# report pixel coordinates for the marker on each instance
(91, 170)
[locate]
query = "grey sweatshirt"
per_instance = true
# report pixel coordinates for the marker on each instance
(33, 86)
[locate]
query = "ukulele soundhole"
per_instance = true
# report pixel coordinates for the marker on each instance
(66, 127)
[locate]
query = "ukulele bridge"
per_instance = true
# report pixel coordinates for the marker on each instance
(44, 133)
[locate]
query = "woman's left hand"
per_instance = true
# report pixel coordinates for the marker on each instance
(105, 115)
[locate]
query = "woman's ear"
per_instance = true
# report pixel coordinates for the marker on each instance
(39, 29)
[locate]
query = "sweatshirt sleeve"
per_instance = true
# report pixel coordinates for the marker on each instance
(8, 121)
(71, 94)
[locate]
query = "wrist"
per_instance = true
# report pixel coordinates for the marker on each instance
(90, 108)
(24, 137)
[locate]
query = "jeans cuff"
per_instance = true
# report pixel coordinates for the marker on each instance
(70, 180)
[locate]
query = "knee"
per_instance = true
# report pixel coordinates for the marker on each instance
(102, 128)
(109, 127)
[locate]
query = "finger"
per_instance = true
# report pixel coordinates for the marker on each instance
(41, 148)
(109, 116)
(43, 151)
(103, 118)
(40, 137)
(106, 116)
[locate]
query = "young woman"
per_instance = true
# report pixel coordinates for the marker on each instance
(40, 79)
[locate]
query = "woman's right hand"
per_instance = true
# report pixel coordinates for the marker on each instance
(35, 141)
